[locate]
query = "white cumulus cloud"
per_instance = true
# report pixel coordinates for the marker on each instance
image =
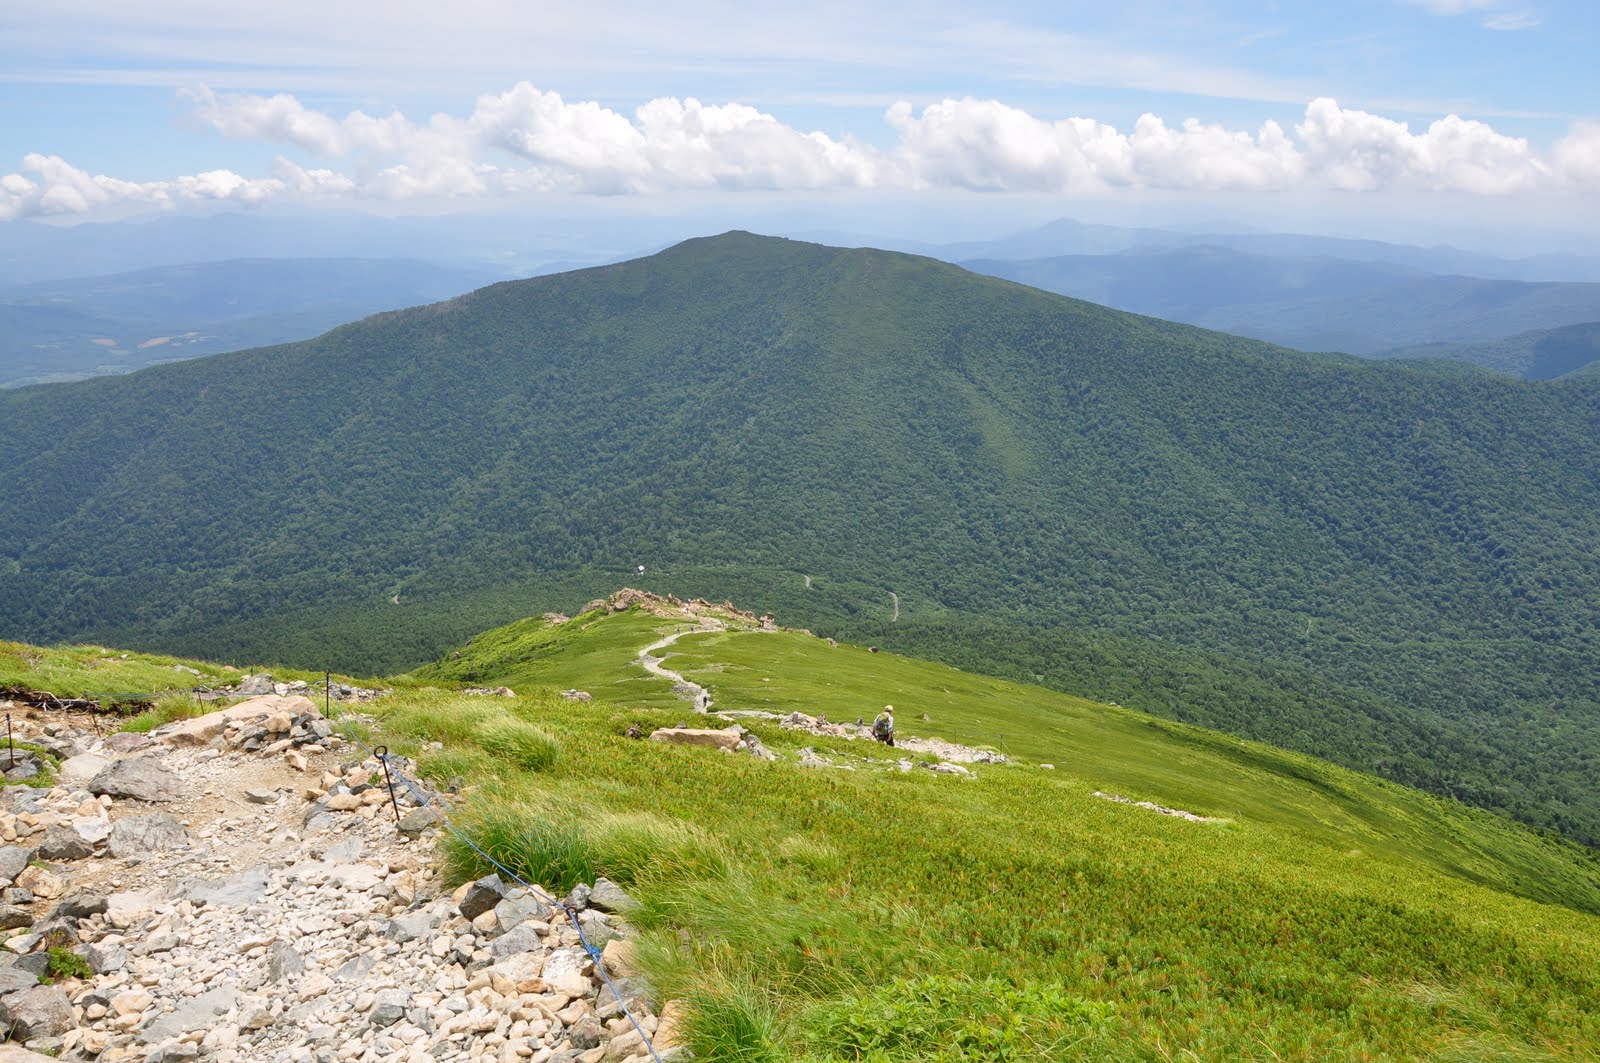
(1577, 155)
(48, 185)
(528, 141)
(1361, 152)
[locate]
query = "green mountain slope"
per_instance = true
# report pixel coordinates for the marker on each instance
(1298, 535)
(1328, 915)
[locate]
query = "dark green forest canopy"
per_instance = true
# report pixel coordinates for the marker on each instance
(1385, 565)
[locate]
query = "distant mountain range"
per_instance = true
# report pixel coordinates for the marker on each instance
(182, 287)
(1067, 237)
(53, 331)
(1380, 563)
(1314, 304)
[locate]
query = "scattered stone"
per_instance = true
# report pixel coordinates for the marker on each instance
(410, 927)
(80, 905)
(79, 770)
(252, 685)
(578, 899)
(610, 897)
(481, 896)
(283, 962)
(13, 979)
(391, 1007)
(197, 1013)
(247, 887)
(127, 742)
(621, 958)
(42, 882)
(21, 768)
(330, 947)
(1177, 813)
(417, 821)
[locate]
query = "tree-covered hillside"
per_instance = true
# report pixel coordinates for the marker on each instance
(1239, 534)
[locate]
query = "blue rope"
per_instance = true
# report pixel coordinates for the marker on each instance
(390, 760)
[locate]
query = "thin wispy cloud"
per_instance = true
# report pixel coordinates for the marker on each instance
(1453, 7)
(1512, 20)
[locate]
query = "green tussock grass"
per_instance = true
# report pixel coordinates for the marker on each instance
(561, 847)
(165, 710)
(520, 742)
(824, 915)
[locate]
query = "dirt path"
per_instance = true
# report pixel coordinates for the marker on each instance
(684, 688)
(896, 617)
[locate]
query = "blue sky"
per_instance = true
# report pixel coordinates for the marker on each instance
(1487, 108)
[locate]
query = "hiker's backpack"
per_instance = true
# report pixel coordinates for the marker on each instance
(880, 727)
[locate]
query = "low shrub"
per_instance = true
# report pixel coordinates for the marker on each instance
(64, 964)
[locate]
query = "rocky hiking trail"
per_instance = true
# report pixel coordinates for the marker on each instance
(705, 617)
(235, 887)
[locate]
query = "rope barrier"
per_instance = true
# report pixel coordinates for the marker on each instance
(390, 761)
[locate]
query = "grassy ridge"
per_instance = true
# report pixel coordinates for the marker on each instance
(857, 914)
(829, 915)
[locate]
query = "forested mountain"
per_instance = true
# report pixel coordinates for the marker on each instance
(1387, 566)
(1314, 304)
(1543, 354)
(89, 326)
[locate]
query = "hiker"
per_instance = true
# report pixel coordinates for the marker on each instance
(883, 726)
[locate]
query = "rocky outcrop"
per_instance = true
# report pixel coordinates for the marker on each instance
(734, 739)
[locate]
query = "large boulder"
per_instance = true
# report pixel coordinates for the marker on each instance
(203, 730)
(13, 858)
(43, 1011)
(79, 770)
(693, 736)
(235, 891)
(141, 778)
(154, 832)
(481, 896)
(61, 842)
